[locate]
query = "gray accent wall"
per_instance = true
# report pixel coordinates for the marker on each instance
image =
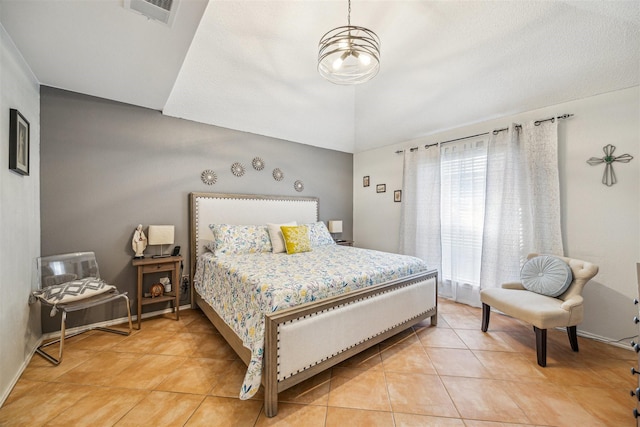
(107, 167)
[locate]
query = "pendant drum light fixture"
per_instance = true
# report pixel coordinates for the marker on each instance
(349, 55)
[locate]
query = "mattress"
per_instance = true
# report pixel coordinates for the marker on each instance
(241, 288)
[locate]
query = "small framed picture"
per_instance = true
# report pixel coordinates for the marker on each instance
(365, 181)
(397, 196)
(18, 142)
(381, 188)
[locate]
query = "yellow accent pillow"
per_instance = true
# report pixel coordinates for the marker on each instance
(296, 238)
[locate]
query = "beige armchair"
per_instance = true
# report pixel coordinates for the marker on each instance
(541, 311)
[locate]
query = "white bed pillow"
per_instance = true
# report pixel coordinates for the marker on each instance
(277, 239)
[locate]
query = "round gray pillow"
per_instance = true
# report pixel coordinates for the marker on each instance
(546, 275)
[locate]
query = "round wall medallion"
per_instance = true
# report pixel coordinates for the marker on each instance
(208, 177)
(278, 175)
(298, 185)
(258, 164)
(237, 169)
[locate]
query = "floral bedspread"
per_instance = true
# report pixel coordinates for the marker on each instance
(242, 287)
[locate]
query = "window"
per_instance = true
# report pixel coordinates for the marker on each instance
(463, 170)
(473, 208)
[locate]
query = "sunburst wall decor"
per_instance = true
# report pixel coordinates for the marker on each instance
(258, 163)
(209, 177)
(278, 175)
(237, 169)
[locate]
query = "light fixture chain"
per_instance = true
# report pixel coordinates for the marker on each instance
(349, 15)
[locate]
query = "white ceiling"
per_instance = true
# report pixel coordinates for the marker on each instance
(251, 65)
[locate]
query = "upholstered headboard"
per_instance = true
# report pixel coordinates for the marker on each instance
(242, 209)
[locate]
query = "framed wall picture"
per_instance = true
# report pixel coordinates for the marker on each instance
(397, 196)
(381, 188)
(365, 181)
(18, 142)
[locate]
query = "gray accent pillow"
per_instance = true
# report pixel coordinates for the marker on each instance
(546, 275)
(73, 290)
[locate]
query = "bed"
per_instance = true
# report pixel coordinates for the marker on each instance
(289, 317)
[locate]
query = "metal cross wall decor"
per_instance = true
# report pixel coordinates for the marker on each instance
(609, 176)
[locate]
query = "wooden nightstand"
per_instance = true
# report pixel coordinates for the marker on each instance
(344, 242)
(159, 265)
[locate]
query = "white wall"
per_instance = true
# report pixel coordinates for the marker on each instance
(601, 224)
(19, 219)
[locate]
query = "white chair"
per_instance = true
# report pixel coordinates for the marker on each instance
(542, 311)
(71, 282)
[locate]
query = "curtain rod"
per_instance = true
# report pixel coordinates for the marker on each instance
(495, 132)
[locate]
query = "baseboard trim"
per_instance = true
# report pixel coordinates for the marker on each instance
(14, 381)
(108, 323)
(621, 343)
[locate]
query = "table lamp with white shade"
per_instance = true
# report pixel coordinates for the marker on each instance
(161, 235)
(335, 227)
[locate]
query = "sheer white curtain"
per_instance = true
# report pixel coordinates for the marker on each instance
(463, 170)
(523, 200)
(420, 211)
(503, 248)
(474, 209)
(545, 232)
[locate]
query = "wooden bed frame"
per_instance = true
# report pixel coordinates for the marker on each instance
(364, 317)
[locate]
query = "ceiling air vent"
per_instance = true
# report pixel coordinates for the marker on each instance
(158, 10)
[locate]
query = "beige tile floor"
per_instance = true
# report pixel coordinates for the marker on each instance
(183, 374)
